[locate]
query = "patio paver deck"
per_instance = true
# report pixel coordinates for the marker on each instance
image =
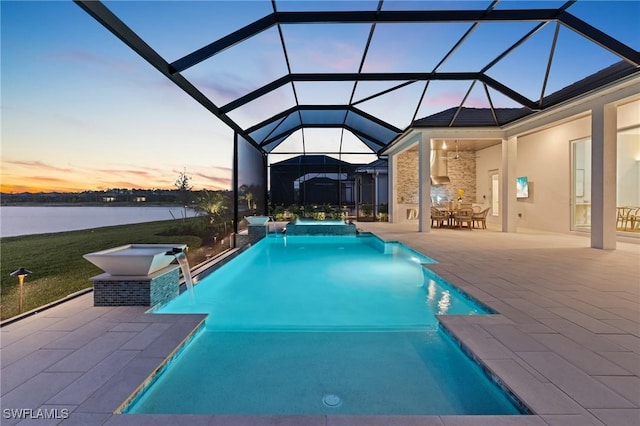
(566, 339)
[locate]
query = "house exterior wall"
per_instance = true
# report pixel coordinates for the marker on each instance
(488, 162)
(462, 175)
(544, 155)
(406, 184)
(407, 178)
(545, 158)
(628, 169)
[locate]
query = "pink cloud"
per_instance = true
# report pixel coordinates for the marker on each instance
(221, 181)
(84, 56)
(446, 99)
(476, 102)
(338, 56)
(39, 165)
(48, 179)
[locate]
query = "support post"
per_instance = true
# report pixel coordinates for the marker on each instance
(603, 179)
(508, 207)
(424, 184)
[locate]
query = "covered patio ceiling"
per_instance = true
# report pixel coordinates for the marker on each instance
(347, 78)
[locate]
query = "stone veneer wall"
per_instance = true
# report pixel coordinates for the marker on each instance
(254, 234)
(298, 229)
(461, 172)
(158, 288)
(407, 176)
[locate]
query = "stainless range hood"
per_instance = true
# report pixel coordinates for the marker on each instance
(439, 172)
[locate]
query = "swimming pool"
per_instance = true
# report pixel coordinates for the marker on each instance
(323, 325)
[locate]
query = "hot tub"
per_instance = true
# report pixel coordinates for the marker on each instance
(320, 227)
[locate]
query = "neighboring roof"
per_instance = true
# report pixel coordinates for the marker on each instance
(311, 160)
(281, 63)
(379, 164)
(472, 117)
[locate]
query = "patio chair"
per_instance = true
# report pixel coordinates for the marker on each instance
(463, 216)
(480, 218)
(634, 219)
(622, 219)
(438, 217)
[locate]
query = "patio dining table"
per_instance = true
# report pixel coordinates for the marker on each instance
(451, 213)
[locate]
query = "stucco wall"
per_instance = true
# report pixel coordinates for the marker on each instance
(628, 115)
(488, 162)
(628, 169)
(545, 158)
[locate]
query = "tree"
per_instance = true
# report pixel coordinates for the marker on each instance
(184, 186)
(246, 194)
(214, 205)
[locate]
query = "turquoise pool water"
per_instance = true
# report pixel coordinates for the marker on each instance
(323, 325)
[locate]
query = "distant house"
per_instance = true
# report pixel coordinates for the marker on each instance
(139, 199)
(372, 184)
(312, 179)
(108, 199)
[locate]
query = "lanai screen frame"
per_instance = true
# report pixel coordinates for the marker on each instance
(374, 132)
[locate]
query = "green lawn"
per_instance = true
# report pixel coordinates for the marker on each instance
(57, 263)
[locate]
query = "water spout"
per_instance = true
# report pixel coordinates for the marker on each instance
(181, 257)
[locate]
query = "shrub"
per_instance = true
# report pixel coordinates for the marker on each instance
(366, 209)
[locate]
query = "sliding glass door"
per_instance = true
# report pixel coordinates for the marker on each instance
(581, 184)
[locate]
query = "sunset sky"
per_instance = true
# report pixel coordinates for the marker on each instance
(81, 111)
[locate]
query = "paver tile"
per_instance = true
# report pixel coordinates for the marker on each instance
(542, 398)
(86, 419)
(37, 390)
(592, 324)
(25, 327)
(631, 327)
(627, 386)
(584, 337)
(583, 388)
(493, 421)
(76, 321)
(159, 420)
(81, 336)
(627, 341)
(572, 420)
(27, 367)
(618, 417)
(343, 420)
(92, 353)
(630, 361)
(27, 345)
(78, 391)
(119, 387)
(514, 339)
(169, 339)
(580, 356)
(147, 336)
(129, 326)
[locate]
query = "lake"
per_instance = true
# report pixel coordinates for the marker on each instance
(19, 220)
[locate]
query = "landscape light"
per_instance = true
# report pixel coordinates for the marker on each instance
(20, 273)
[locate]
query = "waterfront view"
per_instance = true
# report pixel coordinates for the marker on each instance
(21, 220)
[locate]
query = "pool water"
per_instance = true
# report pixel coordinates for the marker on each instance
(323, 325)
